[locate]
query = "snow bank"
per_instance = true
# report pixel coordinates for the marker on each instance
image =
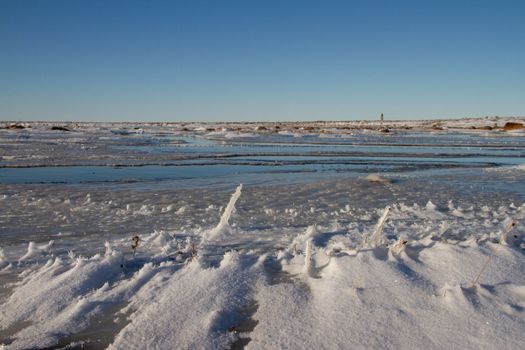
(434, 275)
(194, 309)
(52, 296)
(366, 301)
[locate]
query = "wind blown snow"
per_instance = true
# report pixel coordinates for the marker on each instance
(139, 236)
(406, 287)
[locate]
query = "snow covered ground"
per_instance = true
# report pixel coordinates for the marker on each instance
(48, 144)
(360, 239)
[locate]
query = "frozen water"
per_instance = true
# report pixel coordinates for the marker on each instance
(223, 227)
(306, 257)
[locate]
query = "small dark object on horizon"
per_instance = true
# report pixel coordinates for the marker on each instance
(59, 128)
(512, 126)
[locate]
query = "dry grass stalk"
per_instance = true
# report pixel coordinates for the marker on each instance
(376, 237)
(483, 268)
(135, 243)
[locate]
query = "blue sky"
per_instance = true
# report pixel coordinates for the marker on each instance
(260, 60)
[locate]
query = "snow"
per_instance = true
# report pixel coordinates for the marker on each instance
(363, 301)
(409, 290)
(393, 256)
(194, 308)
(3, 262)
(53, 301)
(223, 227)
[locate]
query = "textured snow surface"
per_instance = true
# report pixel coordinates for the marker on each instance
(455, 277)
(341, 237)
(377, 300)
(194, 309)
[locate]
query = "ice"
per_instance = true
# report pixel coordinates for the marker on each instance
(346, 289)
(300, 240)
(139, 235)
(3, 262)
(167, 208)
(33, 250)
(375, 239)
(223, 227)
(181, 210)
(308, 268)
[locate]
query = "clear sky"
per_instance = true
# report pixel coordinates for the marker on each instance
(260, 60)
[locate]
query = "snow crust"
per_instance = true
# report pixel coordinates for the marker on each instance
(430, 285)
(393, 302)
(393, 260)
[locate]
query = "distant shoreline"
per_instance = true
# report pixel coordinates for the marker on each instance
(337, 126)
